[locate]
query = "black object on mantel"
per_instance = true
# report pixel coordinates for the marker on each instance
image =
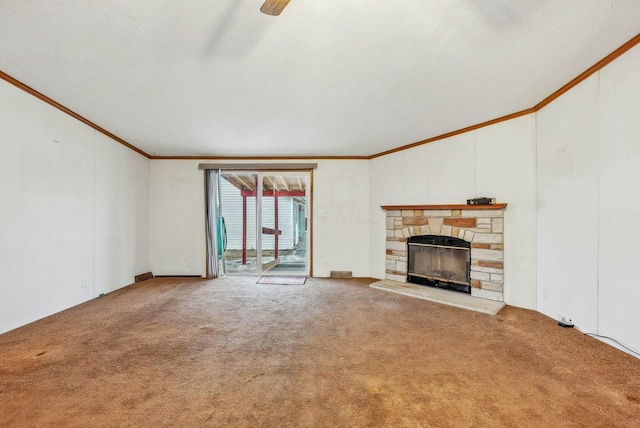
(482, 200)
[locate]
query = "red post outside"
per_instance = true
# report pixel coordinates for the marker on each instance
(244, 230)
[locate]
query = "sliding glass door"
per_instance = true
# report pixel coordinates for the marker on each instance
(265, 220)
(239, 222)
(284, 223)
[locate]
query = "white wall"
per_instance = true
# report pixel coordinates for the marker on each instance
(341, 217)
(340, 223)
(177, 225)
(588, 169)
(619, 173)
(505, 167)
(121, 215)
(567, 135)
(496, 161)
(53, 171)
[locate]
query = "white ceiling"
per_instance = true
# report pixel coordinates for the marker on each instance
(325, 78)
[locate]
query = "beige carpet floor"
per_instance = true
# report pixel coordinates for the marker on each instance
(330, 353)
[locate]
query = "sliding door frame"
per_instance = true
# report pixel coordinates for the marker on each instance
(265, 169)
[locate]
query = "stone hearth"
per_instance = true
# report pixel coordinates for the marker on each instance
(481, 225)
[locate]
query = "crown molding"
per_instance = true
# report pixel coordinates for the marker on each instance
(589, 71)
(581, 77)
(457, 132)
(15, 82)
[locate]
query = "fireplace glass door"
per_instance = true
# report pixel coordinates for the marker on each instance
(442, 264)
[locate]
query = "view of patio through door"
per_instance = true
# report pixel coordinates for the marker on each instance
(263, 229)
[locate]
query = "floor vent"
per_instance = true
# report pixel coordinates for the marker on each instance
(144, 277)
(341, 274)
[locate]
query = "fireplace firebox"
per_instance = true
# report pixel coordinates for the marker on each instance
(439, 261)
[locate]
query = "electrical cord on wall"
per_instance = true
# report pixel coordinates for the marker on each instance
(613, 340)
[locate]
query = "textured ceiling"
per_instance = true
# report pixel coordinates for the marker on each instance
(325, 78)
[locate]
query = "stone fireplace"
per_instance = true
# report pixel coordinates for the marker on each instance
(482, 226)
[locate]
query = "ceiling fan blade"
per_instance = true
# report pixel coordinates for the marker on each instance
(274, 7)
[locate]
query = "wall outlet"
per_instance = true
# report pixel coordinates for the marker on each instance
(189, 263)
(545, 293)
(83, 282)
(326, 262)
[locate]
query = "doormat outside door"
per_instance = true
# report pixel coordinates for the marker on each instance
(282, 280)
